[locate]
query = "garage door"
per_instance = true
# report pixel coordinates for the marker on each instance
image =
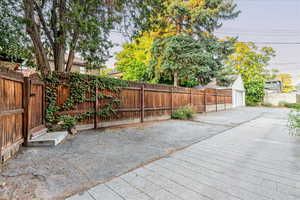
(239, 98)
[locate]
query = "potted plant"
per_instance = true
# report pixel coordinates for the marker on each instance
(294, 122)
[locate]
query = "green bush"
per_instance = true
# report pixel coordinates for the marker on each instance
(254, 92)
(290, 105)
(282, 103)
(267, 104)
(183, 113)
(294, 120)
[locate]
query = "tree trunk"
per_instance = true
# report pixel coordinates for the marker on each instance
(59, 46)
(72, 52)
(34, 33)
(176, 80)
(59, 57)
(70, 61)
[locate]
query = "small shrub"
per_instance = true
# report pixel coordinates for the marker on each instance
(293, 105)
(267, 104)
(67, 121)
(282, 103)
(183, 113)
(254, 92)
(294, 121)
(289, 105)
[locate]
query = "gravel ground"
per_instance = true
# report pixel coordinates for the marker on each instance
(92, 157)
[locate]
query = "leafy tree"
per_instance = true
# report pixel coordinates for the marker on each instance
(287, 83)
(181, 22)
(134, 59)
(13, 47)
(197, 17)
(251, 62)
(191, 21)
(60, 27)
(181, 57)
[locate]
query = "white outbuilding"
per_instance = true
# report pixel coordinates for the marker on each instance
(236, 86)
(238, 92)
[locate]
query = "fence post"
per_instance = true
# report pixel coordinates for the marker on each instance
(224, 101)
(95, 108)
(191, 100)
(216, 100)
(171, 100)
(142, 103)
(204, 101)
(44, 103)
(26, 101)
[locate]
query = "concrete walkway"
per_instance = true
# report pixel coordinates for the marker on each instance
(255, 159)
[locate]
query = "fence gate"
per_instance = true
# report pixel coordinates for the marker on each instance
(35, 96)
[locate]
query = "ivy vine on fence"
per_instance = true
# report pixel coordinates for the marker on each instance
(82, 88)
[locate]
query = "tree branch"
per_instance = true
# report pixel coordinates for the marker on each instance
(72, 52)
(33, 31)
(45, 28)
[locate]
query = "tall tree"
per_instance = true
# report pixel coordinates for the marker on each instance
(182, 57)
(196, 18)
(251, 63)
(134, 59)
(70, 27)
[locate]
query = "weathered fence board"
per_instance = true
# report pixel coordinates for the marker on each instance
(11, 112)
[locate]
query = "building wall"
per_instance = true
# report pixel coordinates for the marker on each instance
(79, 69)
(275, 98)
(9, 65)
(238, 93)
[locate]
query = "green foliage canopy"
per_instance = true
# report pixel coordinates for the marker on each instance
(59, 28)
(181, 57)
(251, 63)
(184, 50)
(287, 83)
(14, 47)
(133, 60)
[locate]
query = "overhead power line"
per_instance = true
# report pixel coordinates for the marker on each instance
(280, 43)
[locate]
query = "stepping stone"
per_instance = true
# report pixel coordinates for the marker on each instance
(48, 139)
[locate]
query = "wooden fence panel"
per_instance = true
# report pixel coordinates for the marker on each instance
(198, 100)
(130, 105)
(142, 102)
(157, 104)
(11, 111)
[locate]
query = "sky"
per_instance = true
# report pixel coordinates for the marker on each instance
(274, 23)
(270, 23)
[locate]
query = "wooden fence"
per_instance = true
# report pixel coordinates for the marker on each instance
(21, 110)
(22, 106)
(11, 111)
(142, 102)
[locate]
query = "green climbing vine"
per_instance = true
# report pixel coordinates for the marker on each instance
(82, 88)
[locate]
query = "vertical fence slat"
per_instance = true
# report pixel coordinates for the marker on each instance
(216, 100)
(142, 103)
(172, 106)
(191, 97)
(95, 108)
(224, 102)
(26, 99)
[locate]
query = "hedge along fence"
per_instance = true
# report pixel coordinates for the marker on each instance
(93, 102)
